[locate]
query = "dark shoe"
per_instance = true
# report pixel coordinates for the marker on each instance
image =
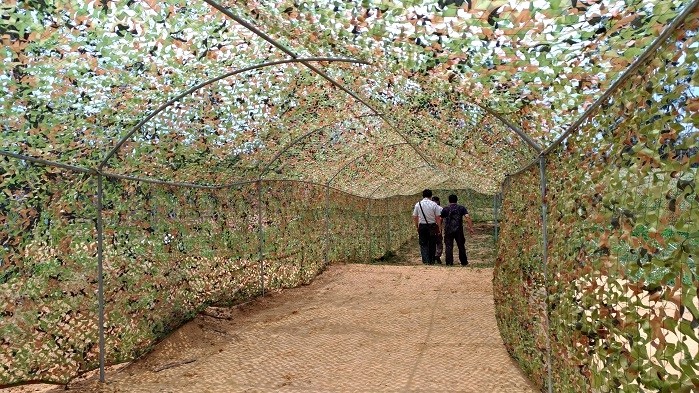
(464, 263)
(438, 260)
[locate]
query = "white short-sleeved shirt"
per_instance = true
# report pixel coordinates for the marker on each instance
(432, 211)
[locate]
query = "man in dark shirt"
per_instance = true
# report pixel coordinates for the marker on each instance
(453, 229)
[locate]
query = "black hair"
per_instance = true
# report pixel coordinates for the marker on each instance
(427, 193)
(453, 198)
(435, 199)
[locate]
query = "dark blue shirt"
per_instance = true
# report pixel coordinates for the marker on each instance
(453, 216)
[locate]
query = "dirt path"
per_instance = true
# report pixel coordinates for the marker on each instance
(357, 328)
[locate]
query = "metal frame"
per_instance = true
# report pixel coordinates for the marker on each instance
(191, 90)
(322, 185)
(289, 52)
(541, 160)
(306, 62)
(219, 187)
(544, 257)
(300, 138)
(357, 157)
(391, 178)
(669, 29)
(100, 276)
(171, 183)
(42, 161)
(100, 226)
(260, 236)
(525, 137)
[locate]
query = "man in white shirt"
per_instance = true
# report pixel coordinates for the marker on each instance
(426, 216)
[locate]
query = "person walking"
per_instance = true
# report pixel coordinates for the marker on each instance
(426, 216)
(453, 229)
(440, 236)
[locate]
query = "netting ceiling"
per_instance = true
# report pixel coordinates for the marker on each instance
(393, 97)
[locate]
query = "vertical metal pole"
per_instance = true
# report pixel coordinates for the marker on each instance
(368, 233)
(259, 235)
(495, 217)
(100, 276)
(327, 224)
(388, 225)
(544, 235)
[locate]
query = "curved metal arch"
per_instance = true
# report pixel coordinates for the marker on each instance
(679, 19)
(669, 29)
(216, 187)
(189, 91)
(500, 117)
(42, 161)
(523, 135)
(165, 182)
(390, 179)
(507, 124)
(289, 52)
(299, 139)
(306, 182)
(356, 158)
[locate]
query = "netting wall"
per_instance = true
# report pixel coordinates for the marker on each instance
(616, 296)
(479, 205)
(519, 279)
(48, 272)
(168, 253)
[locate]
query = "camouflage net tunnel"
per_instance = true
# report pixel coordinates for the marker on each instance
(158, 157)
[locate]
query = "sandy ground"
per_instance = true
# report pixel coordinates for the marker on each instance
(396, 327)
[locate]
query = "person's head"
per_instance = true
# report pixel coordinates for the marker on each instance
(427, 193)
(453, 198)
(435, 199)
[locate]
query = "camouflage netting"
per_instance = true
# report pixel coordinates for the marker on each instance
(161, 156)
(617, 298)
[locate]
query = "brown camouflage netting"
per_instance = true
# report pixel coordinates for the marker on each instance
(200, 152)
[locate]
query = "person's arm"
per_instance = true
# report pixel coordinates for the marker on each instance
(470, 224)
(416, 219)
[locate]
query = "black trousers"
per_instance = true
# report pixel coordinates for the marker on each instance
(428, 242)
(449, 247)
